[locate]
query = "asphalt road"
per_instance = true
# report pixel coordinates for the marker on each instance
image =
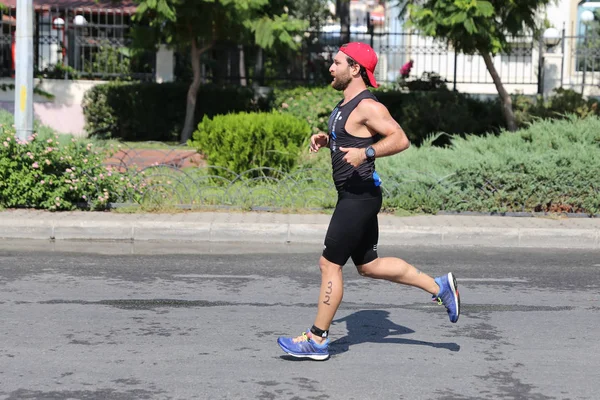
(168, 321)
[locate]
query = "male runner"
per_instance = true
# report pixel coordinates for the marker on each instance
(360, 130)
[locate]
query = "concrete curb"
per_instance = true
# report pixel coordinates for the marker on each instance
(132, 229)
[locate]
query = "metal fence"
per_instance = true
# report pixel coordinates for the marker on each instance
(176, 178)
(519, 65)
(581, 60)
(95, 43)
(91, 42)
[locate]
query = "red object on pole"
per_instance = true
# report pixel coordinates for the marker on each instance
(13, 51)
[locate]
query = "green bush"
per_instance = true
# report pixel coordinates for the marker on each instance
(150, 111)
(549, 167)
(239, 142)
(420, 114)
(109, 60)
(45, 173)
(58, 71)
(312, 105)
(566, 102)
(563, 103)
(424, 113)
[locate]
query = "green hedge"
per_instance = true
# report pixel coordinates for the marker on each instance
(562, 104)
(552, 166)
(425, 113)
(149, 111)
(239, 142)
(420, 114)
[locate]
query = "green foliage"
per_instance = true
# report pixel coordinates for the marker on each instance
(420, 114)
(151, 111)
(425, 113)
(317, 12)
(36, 90)
(239, 142)
(197, 25)
(109, 60)
(179, 22)
(562, 104)
(312, 105)
(479, 26)
(549, 167)
(45, 173)
(567, 101)
(267, 30)
(58, 71)
(473, 26)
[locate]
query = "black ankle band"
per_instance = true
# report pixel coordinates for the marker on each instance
(319, 332)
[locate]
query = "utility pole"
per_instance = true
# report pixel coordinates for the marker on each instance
(24, 70)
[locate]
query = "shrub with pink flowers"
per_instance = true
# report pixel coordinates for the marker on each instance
(43, 173)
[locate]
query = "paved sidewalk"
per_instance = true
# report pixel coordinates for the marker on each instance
(267, 227)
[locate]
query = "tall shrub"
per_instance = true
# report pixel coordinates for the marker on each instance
(239, 142)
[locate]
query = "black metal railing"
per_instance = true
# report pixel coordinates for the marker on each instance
(582, 59)
(311, 62)
(78, 43)
(95, 43)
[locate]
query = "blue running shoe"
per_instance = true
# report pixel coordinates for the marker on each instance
(448, 295)
(304, 347)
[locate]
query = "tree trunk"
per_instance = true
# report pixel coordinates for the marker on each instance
(242, 60)
(259, 68)
(507, 109)
(192, 94)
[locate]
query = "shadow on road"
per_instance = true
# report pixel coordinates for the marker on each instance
(373, 326)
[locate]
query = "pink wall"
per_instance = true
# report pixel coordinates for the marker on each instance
(63, 118)
(63, 113)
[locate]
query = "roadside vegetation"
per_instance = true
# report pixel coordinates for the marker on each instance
(548, 166)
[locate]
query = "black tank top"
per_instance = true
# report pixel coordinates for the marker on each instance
(345, 176)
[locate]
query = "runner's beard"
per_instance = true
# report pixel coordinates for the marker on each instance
(341, 82)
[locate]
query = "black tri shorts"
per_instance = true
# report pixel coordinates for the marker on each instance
(353, 230)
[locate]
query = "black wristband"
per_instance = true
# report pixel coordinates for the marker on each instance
(370, 153)
(319, 332)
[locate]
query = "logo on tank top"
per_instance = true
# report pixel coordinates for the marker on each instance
(337, 118)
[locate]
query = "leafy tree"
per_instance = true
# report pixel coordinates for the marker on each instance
(199, 24)
(478, 26)
(316, 12)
